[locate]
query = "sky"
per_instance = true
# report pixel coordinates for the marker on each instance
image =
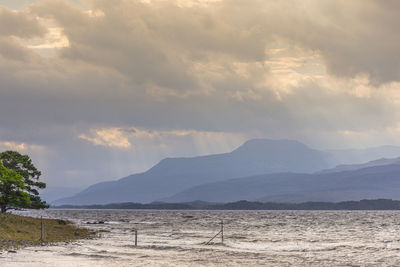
(96, 90)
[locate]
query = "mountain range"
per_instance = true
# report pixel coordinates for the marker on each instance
(260, 169)
(366, 183)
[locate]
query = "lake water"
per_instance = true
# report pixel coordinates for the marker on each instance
(252, 238)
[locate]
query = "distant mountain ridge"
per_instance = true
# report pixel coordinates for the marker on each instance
(255, 157)
(373, 163)
(381, 181)
(171, 175)
(365, 204)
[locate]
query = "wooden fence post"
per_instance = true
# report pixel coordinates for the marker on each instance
(135, 237)
(41, 229)
(222, 231)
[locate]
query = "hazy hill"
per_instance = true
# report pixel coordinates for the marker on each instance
(52, 193)
(352, 156)
(171, 175)
(350, 167)
(371, 182)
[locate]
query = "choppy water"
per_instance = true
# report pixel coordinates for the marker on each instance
(252, 238)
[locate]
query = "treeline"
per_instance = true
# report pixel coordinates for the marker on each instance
(375, 204)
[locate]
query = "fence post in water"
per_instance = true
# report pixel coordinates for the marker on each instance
(41, 229)
(135, 237)
(222, 231)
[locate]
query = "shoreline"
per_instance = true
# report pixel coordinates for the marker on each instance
(178, 238)
(350, 205)
(17, 231)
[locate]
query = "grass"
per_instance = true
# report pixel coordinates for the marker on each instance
(18, 231)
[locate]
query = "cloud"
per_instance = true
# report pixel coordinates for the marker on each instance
(11, 50)
(21, 147)
(123, 138)
(112, 137)
(162, 43)
(162, 64)
(353, 37)
(121, 84)
(19, 24)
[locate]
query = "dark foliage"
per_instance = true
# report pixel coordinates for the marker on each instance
(22, 164)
